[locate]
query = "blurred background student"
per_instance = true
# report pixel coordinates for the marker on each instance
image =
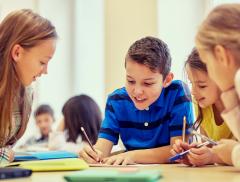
(79, 111)
(44, 117)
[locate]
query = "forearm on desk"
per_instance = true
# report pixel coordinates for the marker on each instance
(150, 156)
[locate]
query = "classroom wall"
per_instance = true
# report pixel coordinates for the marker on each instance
(94, 37)
(125, 22)
(177, 26)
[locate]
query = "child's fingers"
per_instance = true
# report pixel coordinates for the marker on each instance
(92, 154)
(127, 161)
(109, 161)
(199, 151)
(89, 155)
(118, 161)
(176, 148)
(87, 158)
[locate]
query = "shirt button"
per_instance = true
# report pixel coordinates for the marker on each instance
(147, 109)
(146, 124)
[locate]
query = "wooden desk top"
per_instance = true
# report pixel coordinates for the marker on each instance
(170, 172)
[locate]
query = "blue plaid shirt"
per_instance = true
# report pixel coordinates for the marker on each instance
(144, 129)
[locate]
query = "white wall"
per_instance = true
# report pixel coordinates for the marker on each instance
(177, 25)
(57, 86)
(88, 69)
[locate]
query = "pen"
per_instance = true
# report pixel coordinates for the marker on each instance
(204, 137)
(89, 142)
(180, 155)
(184, 129)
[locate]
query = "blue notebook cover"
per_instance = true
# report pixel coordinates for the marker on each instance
(43, 155)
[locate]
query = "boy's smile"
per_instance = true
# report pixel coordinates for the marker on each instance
(143, 86)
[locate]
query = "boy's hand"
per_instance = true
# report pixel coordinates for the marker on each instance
(200, 156)
(91, 156)
(120, 159)
(224, 150)
(178, 147)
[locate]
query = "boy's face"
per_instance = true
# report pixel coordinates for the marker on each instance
(204, 90)
(143, 86)
(44, 123)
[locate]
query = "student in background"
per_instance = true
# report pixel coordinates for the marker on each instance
(44, 117)
(147, 114)
(27, 43)
(218, 44)
(79, 111)
(208, 109)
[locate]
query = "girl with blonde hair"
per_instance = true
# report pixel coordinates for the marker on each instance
(218, 43)
(27, 43)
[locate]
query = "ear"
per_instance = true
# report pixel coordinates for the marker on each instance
(16, 52)
(168, 80)
(222, 55)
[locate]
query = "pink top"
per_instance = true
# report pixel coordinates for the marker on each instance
(231, 114)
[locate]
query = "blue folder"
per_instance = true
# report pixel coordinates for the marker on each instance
(43, 155)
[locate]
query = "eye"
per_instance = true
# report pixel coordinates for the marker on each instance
(202, 86)
(130, 81)
(42, 63)
(148, 84)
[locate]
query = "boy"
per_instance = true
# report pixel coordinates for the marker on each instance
(44, 117)
(147, 113)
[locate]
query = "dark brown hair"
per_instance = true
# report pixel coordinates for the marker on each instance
(153, 53)
(82, 111)
(44, 109)
(194, 61)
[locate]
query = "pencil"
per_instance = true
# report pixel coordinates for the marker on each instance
(184, 129)
(89, 142)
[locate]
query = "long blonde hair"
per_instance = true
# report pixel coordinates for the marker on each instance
(28, 29)
(221, 27)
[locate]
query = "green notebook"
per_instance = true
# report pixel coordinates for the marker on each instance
(114, 175)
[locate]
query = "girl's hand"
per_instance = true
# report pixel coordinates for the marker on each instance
(178, 147)
(120, 159)
(200, 156)
(224, 150)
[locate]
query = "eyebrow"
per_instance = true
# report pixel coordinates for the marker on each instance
(147, 79)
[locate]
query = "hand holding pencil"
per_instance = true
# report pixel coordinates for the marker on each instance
(89, 153)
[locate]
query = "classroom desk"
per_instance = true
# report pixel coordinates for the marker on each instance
(170, 172)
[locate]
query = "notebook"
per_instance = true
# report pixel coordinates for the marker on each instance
(52, 165)
(115, 175)
(43, 155)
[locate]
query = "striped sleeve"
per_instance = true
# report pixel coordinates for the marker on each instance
(4, 156)
(110, 126)
(182, 106)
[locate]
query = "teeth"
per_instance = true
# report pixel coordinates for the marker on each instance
(139, 99)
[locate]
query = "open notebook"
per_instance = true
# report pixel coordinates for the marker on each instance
(114, 175)
(52, 165)
(43, 155)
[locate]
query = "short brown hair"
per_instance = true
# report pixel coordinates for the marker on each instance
(153, 53)
(44, 109)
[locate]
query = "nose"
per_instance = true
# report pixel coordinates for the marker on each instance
(138, 90)
(194, 92)
(44, 70)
